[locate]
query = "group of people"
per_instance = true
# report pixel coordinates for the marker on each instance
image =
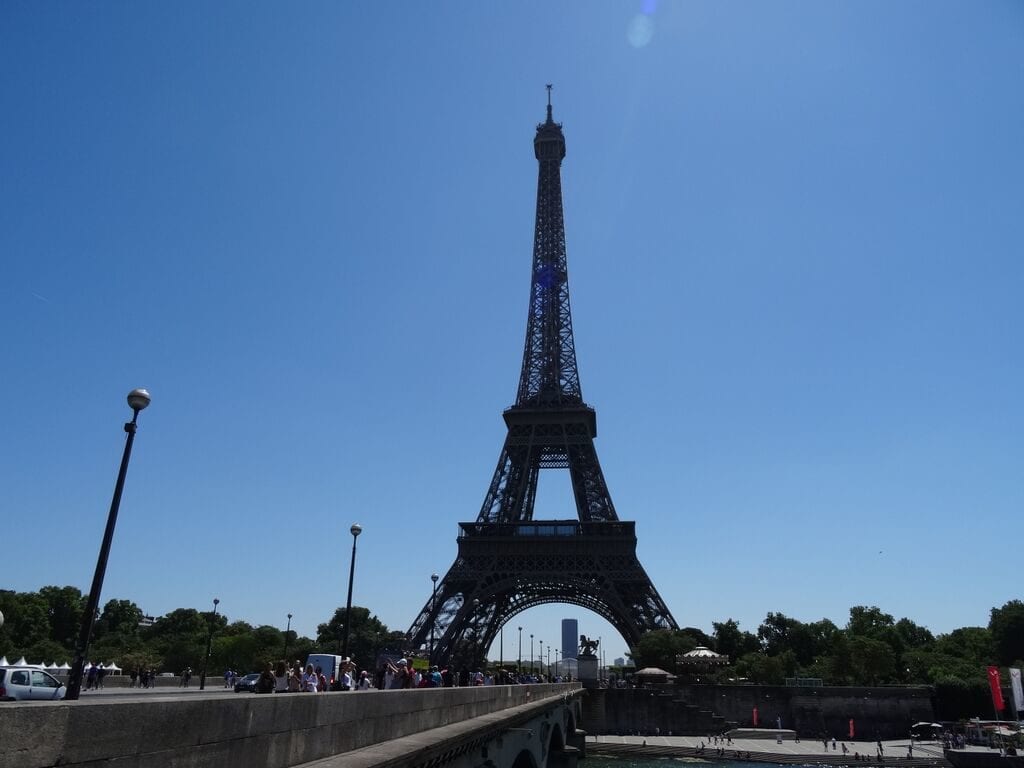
(94, 677)
(286, 677)
(141, 677)
(401, 674)
(293, 678)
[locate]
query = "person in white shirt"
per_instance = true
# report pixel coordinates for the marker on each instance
(346, 675)
(309, 680)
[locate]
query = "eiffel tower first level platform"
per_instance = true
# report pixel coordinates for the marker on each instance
(507, 561)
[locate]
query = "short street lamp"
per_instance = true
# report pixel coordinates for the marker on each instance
(138, 399)
(433, 619)
(355, 530)
(289, 629)
(519, 667)
(209, 644)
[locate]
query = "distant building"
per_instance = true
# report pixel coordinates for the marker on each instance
(570, 638)
(147, 621)
(619, 662)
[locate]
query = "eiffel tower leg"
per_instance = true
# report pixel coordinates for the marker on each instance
(513, 488)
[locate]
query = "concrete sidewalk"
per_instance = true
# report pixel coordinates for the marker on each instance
(895, 752)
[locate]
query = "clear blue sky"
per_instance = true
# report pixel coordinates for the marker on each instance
(794, 235)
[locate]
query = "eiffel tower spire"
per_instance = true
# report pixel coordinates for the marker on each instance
(550, 426)
(507, 561)
(549, 376)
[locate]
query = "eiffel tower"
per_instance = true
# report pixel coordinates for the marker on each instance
(507, 561)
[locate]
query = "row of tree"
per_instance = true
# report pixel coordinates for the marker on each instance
(43, 627)
(872, 649)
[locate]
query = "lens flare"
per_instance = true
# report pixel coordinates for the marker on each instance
(641, 30)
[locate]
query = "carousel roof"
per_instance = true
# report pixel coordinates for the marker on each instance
(653, 672)
(702, 654)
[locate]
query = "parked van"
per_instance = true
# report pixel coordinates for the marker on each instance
(330, 665)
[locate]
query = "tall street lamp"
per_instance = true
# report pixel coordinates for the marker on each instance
(138, 399)
(557, 652)
(519, 666)
(541, 657)
(532, 668)
(356, 529)
(209, 644)
(286, 636)
(433, 604)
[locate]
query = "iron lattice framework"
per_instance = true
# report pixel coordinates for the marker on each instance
(507, 561)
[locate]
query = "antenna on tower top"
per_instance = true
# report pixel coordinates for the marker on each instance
(549, 87)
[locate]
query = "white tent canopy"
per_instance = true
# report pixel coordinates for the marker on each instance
(65, 666)
(21, 662)
(4, 662)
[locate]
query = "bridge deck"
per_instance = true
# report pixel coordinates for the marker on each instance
(439, 745)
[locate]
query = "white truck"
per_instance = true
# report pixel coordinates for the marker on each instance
(331, 665)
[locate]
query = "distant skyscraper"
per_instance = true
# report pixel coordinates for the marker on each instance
(570, 638)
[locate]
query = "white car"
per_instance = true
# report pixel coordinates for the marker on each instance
(27, 683)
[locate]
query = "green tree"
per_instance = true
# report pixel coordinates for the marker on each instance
(731, 641)
(811, 641)
(64, 608)
(868, 621)
(367, 635)
(774, 633)
(45, 652)
(914, 636)
(1006, 627)
(660, 648)
(119, 617)
(26, 622)
(872, 661)
(179, 638)
(762, 669)
(970, 644)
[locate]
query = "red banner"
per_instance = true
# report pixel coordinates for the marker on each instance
(997, 691)
(851, 729)
(755, 717)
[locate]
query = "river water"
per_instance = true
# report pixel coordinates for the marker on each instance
(658, 762)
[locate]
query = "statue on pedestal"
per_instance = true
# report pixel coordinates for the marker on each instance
(587, 646)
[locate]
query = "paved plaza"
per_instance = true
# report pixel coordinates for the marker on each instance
(895, 752)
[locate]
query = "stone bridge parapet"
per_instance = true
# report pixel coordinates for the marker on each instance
(441, 725)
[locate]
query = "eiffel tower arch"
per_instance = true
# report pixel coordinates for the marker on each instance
(507, 561)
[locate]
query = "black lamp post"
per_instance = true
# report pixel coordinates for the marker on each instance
(531, 654)
(476, 634)
(209, 644)
(519, 666)
(286, 632)
(356, 529)
(138, 399)
(541, 657)
(433, 605)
